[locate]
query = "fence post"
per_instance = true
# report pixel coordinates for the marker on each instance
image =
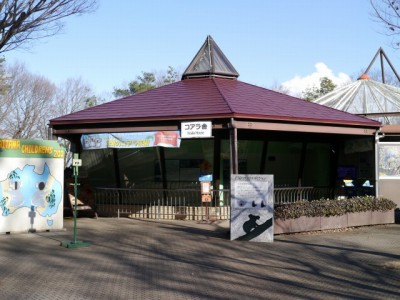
(158, 207)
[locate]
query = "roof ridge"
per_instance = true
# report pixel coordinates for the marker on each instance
(222, 94)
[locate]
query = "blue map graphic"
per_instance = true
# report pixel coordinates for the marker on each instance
(26, 188)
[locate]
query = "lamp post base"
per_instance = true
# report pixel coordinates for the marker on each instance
(77, 244)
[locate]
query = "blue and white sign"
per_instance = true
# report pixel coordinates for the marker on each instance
(208, 177)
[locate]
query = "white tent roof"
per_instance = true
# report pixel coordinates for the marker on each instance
(367, 97)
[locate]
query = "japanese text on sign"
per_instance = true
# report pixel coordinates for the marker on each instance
(196, 129)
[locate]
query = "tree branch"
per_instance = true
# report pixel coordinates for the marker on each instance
(22, 21)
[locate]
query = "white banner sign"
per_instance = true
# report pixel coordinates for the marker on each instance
(94, 141)
(196, 129)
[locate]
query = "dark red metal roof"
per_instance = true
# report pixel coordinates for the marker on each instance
(211, 98)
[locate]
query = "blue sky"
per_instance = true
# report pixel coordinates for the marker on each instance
(268, 42)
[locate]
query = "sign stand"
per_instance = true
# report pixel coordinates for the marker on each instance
(206, 198)
(205, 183)
(76, 163)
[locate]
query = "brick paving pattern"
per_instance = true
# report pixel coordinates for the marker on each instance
(141, 259)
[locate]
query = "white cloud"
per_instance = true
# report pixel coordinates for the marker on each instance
(297, 85)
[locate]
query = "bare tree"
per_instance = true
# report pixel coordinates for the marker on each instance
(388, 13)
(277, 87)
(4, 101)
(30, 97)
(376, 74)
(22, 21)
(30, 101)
(72, 95)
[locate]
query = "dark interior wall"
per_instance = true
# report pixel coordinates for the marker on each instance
(283, 161)
(293, 159)
(137, 166)
(317, 167)
(356, 162)
(98, 168)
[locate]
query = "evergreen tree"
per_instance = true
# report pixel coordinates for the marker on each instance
(326, 85)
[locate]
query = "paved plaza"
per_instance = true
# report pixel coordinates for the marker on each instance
(143, 259)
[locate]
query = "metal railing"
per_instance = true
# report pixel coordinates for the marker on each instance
(186, 204)
(294, 194)
(177, 204)
(291, 194)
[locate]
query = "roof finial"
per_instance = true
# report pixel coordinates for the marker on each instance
(210, 61)
(364, 77)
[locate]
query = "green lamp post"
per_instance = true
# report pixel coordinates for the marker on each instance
(76, 163)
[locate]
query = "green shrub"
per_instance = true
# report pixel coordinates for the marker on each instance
(330, 207)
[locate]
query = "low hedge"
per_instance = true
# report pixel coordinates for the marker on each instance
(330, 207)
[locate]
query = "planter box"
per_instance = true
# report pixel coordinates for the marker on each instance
(333, 222)
(383, 217)
(303, 224)
(359, 219)
(297, 225)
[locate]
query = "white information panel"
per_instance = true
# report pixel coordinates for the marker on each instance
(252, 206)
